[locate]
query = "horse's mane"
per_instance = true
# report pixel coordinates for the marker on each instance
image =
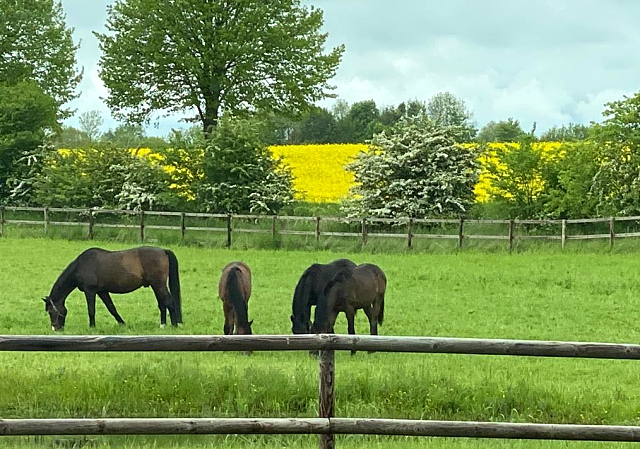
(340, 276)
(63, 280)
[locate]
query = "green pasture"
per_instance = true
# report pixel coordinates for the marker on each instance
(543, 295)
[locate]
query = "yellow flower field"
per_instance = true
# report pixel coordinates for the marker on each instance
(318, 170)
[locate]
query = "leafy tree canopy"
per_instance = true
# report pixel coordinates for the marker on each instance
(503, 131)
(448, 110)
(35, 44)
(232, 56)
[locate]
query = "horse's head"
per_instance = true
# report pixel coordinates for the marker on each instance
(244, 329)
(57, 314)
(299, 325)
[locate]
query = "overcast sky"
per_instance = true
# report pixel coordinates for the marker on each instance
(549, 61)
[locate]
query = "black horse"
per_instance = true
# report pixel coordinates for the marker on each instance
(362, 287)
(99, 272)
(309, 288)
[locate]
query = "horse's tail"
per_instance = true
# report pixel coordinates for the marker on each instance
(235, 295)
(381, 314)
(174, 284)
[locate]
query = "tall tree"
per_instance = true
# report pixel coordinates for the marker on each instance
(446, 109)
(27, 115)
(503, 131)
(214, 56)
(364, 117)
(36, 44)
(90, 123)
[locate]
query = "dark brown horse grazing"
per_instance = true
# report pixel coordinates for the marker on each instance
(234, 289)
(309, 288)
(362, 287)
(99, 272)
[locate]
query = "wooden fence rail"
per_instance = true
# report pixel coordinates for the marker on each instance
(326, 425)
(408, 226)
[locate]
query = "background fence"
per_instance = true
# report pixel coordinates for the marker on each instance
(326, 425)
(364, 229)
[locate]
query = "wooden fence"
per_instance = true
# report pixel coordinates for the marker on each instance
(326, 425)
(364, 224)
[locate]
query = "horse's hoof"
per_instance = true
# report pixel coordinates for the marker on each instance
(122, 324)
(162, 326)
(353, 353)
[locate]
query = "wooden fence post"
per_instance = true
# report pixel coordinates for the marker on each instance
(612, 231)
(326, 394)
(1, 221)
(141, 225)
(511, 225)
(228, 230)
(409, 233)
(564, 233)
(183, 227)
(364, 231)
(274, 228)
(46, 221)
(317, 229)
(460, 235)
(90, 224)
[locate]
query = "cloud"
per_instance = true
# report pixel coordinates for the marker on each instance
(549, 61)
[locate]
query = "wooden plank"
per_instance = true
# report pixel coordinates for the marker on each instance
(486, 237)
(201, 228)
(588, 236)
(67, 223)
(163, 214)
(474, 429)
(114, 225)
(253, 231)
(27, 222)
(385, 234)
(540, 237)
(326, 394)
(166, 227)
(163, 426)
(436, 236)
(436, 220)
(284, 232)
(24, 209)
(628, 234)
(67, 210)
(115, 211)
(321, 426)
(338, 342)
(588, 220)
(203, 215)
(563, 233)
(539, 222)
(338, 234)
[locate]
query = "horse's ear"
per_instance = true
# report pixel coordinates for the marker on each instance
(291, 318)
(45, 300)
(250, 322)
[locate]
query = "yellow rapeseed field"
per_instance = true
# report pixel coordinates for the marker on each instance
(318, 170)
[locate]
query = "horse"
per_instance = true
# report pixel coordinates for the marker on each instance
(234, 290)
(362, 287)
(309, 288)
(97, 271)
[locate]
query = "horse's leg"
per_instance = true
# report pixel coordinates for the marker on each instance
(91, 306)
(106, 299)
(351, 328)
(228, 318)
(164, 302)
(372, 314)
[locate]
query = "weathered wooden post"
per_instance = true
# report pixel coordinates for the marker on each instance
(274, 228)
(563, 236)
(511, 225)
(460, 235)
(183, 227)
(326, 394)
(228, 230)
(612, 231)
(317, 229)
(46, 221)
(91, 224)
(141, 225)
(409, 233)
(364, 231)
(1, 221)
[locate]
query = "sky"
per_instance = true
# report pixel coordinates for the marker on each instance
(548, 61)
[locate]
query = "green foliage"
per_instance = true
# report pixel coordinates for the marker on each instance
(617, 183)
(503, 131)
(517, 173)
(446, 109)
(106, 178)
(569, 182)
(414, 170)
(364, 120)
(566, 133)
(214, 57)
(26, 116)
(35, 44)
(240, 174)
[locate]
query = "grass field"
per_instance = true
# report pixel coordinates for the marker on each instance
(537, 295)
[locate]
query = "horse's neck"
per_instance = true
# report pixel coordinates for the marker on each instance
(64, 285)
